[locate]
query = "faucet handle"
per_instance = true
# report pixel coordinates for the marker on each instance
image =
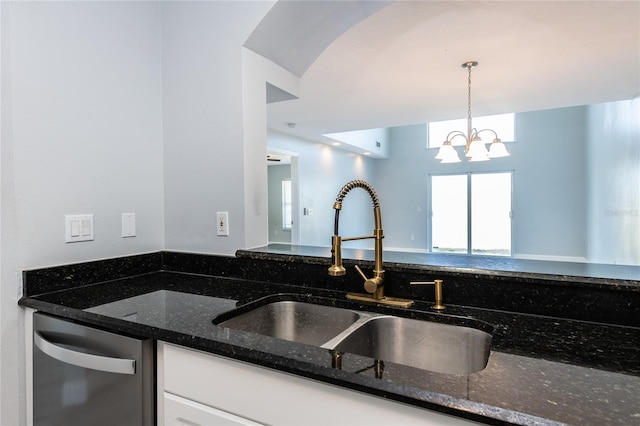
(438, 290)
(371, 285)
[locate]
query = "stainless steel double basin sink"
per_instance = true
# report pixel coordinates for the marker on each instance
(443, 343)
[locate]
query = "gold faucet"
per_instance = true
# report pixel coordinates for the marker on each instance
(373, 286)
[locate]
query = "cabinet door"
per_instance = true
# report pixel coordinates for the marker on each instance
(184, 412)
(277, 398)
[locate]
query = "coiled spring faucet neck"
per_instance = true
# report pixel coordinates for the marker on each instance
(356, 184)
(373, 286)
(343, 193)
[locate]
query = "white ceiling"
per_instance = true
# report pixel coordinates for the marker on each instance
(401, 64)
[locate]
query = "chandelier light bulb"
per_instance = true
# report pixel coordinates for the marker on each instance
(497, 149)
(447, 153)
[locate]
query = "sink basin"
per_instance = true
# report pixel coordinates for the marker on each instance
(442, 348)
(296, 321)
(445, 344)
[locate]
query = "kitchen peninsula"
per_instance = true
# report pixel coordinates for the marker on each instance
(552, 360)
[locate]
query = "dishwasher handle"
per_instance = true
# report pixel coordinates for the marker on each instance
(94, 362)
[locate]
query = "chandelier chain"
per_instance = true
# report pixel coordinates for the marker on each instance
(469, 95)
(469, 66)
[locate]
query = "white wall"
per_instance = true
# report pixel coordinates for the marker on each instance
(214, 98)
(112, 107)
(12, 388)
(195, 158)
(87, 126)
(256, 73)
(81, 133)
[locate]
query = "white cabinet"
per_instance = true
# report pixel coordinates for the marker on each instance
(184, 412)
(250, 395)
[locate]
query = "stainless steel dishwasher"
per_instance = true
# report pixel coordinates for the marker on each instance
(85, 376)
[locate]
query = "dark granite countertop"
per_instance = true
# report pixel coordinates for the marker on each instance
(542, 370)
(594, 273)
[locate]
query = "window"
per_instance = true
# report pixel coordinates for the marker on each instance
(471, 213)
(286, 205)
(502, 124)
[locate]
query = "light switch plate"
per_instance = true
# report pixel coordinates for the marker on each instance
(78, 227)
(128, 225)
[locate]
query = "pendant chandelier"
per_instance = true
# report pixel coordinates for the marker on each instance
(475, 149)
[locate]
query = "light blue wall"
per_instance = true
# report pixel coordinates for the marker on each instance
(277, 174)
(548, 195)
(549, 190)
(401, 182)
(322, 172)
(549, 187)
(613, 182)
(574, 199)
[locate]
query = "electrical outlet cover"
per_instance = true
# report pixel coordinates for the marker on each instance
(222, 223)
